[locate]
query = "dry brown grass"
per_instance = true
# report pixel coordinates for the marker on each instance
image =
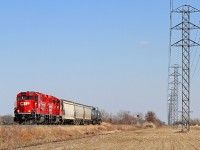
(15, 136)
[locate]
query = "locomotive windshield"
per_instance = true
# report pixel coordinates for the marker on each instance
(24, 97)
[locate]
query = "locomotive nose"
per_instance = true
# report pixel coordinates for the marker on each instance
(26, 106)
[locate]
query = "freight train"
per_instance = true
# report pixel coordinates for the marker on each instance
(38, 108)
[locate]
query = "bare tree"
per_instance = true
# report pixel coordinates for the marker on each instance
(124, 117)
(106, 116)
(151, 117)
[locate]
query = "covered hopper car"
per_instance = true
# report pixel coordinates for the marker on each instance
(38, 108)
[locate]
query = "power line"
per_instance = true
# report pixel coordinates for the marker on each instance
(195, 68)
(195, 49)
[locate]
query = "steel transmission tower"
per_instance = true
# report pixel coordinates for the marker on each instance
(173, 95)
(185, 43)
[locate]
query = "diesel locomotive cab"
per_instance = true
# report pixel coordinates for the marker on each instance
(25, 106)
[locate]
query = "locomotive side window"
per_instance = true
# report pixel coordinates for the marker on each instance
(36, 98)
(18, 98)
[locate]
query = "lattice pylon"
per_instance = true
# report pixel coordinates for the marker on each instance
(173, 97)
(185, 43)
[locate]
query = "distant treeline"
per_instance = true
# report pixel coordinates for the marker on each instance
(6, 119)
(122, 117)
(125, 117)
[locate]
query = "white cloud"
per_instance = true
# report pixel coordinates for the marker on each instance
(144, 42)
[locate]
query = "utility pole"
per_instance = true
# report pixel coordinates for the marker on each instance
(185, 43)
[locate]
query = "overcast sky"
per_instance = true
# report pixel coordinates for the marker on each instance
(112, 54)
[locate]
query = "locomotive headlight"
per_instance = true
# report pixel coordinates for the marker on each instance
(29, 111)
(17, 110)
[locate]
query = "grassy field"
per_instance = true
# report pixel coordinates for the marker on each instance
(15, 136)
(163, 138)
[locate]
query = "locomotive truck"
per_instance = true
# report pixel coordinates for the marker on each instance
(38, 108)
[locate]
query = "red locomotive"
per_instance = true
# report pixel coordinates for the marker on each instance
(35, 107)
(38, 108)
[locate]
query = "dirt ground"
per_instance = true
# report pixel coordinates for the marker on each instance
(164, 138)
